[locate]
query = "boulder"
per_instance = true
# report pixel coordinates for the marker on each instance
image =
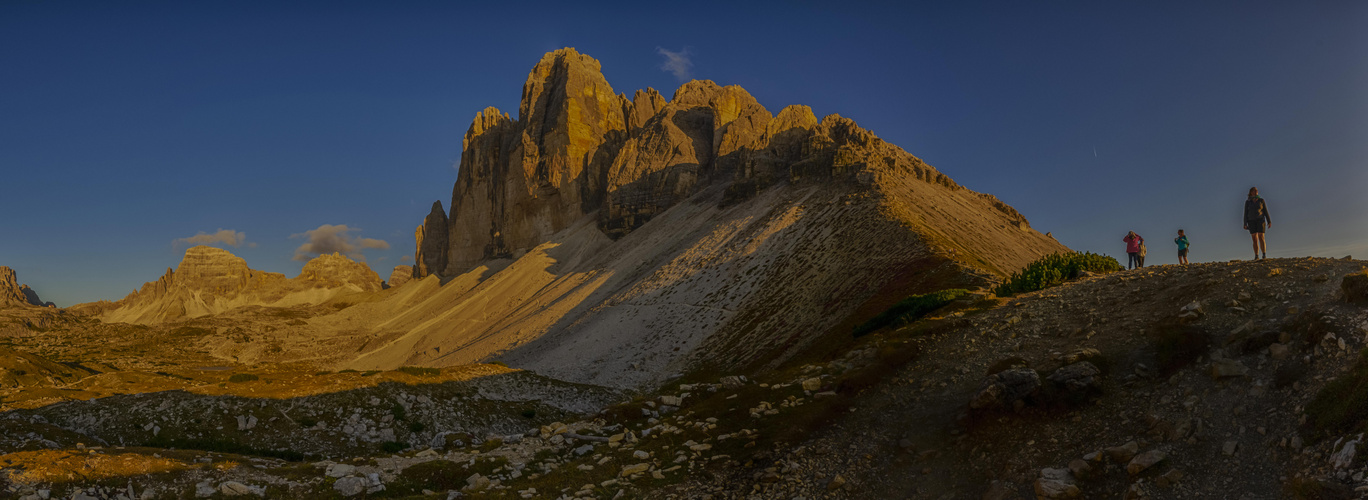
(234, 489)
(1056, 483)
(476, 482)
(339, 470)
(1122, 454)
(1080, 377)
(628, 470)
(350, 486)
(1344, 456)
(1226, 368)
(1003, 389)
(1144, 461)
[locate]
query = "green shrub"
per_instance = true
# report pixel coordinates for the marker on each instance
(436, 475)
(393, 446)
(420, 371)
(243, 377)
(1342, 405)
(529, 413)
(1054, 269)
(416, 427)
(910, 309)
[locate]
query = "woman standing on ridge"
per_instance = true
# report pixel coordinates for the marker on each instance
(1133, 243)
(1256, 219)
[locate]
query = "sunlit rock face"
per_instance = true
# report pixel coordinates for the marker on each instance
(578, 148)
(599, 227)
(211, 280)
(12, 293)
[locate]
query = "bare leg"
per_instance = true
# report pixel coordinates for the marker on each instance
(1255, 238)
(1261, 244)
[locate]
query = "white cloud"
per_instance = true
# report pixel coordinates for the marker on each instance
(223, 236)
(335, 239)
(679, 63)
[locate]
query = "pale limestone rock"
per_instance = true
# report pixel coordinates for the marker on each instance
(1144, 461)
(14, 294)
(430, 256)
(211, 280)
(400, 275)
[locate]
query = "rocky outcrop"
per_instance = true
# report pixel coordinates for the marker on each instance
(338, 271)
(12, 293)
(432, 242)
(735, 237)
(577, 148)
(1355, 287)
(401, 275)
(211, 280)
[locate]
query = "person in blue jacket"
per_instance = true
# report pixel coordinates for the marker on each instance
(1182, 242)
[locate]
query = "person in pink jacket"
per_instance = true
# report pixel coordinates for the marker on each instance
(1133, 242)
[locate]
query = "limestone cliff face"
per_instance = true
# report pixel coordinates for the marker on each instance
(637, 235)
(13, 294)
(431, 251)
(578, 148)
(211, 280)
(521, 181)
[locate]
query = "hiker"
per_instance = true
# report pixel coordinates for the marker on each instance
(1134, 245)
(1182, 242)
(1256, 220)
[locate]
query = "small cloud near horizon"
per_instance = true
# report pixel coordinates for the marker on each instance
(678, 63)
(406, 258)
(330, 238)
(222, 237)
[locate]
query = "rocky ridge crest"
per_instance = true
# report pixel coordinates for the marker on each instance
(578, 148)
(210, 280)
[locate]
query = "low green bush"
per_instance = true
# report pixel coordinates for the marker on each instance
(1342, 405)
(910, 309)
(243, 377)
(420, 371)
(1054, 269)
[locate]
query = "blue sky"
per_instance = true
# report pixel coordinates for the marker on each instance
(125, 126)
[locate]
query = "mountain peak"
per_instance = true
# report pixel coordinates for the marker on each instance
(12, 293)
(705, 219)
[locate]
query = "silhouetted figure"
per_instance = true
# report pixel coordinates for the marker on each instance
(1256, 220)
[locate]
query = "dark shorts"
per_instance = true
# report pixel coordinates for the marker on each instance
(1255, 226)
(1182, 253)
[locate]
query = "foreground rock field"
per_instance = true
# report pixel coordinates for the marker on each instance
(1165, 382)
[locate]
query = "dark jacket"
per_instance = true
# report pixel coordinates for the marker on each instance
(1255, 210)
